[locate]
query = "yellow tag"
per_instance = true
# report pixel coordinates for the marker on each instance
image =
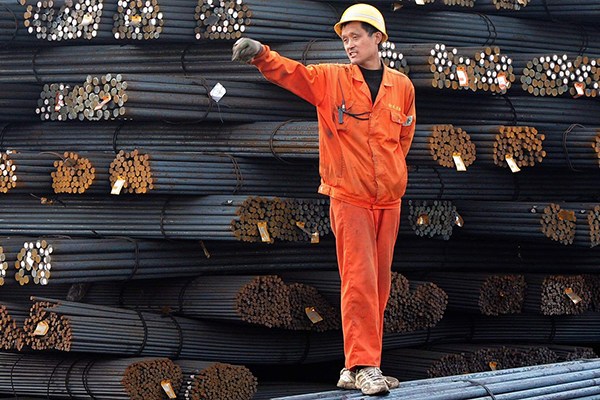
(572, 295)
(313, 315)
(567, 215)
(458, 220)
(168, 388)
(512, 164)
(458, 162)
(493, 365)
(423, 219)
(136, 20)
(41, 329)
(314, 237)
(104, 102)
(463, 78)
(579, 87)
(118, 185)
(502, 82)
(264, 233)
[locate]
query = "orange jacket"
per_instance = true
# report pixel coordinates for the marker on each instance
(361, 161)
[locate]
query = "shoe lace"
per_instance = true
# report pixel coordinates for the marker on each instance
(372, 374)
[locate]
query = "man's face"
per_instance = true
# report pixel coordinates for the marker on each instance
(360, 47)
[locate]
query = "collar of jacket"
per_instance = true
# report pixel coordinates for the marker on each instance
(385, 81)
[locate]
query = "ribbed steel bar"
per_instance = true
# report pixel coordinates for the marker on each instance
(209, 217)
(566, 223)
(49, 376)
(569, 380)
(581, 11)
(75, 63)
(18, 102)
(557, 294)
(216, 381)
(457, 359)
(77, 327)
(163, 97)
(12, 317)
(487, 294)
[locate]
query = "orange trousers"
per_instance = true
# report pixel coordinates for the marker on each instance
(365, 242)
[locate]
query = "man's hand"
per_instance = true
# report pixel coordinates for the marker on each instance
(245, 49)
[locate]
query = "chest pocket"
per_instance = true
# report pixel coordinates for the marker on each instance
(398, 120)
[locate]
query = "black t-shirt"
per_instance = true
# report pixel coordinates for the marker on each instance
(373, 78)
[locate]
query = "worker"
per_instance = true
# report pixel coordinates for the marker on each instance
(366, 118)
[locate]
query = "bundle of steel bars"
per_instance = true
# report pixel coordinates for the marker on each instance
(62, 377)
(487, 294)
(205, 218)
(216, 381)
(163, 97)
(77, 327)
(557, 294)
(12, 317)
(566, 223)
(575, 379)
(433, 218)
(580, 11)
(458, 359)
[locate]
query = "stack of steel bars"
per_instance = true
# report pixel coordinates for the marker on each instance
(67, 377)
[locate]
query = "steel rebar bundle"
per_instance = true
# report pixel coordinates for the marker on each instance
(12, 317)
(75, 63)
(558, 74)
(441, 144)
(485, 294)
(433, 218)
(574, 147)
(209, 173)
(216, 381)
(68, 377)
(557, 294)
(310, 311)
(459, 359)
(476, 69)
(78, 327)
(260, 300)
(585, 11)
(411, 306)
(473, 29)
(161, 97)
(18, 102)
(203, 218)
(228, 19)
(508, 146)
(576, 379)
(566, 223)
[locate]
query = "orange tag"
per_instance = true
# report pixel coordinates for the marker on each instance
(572, 295)
(264, 232)
(463, 78)
(579, 87)
(493, 365)
(59, 103)
(168, 388)
(566, 215)
(423, 219)
(502, 82)
(104, 102)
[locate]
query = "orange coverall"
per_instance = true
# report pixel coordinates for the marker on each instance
(363, 170)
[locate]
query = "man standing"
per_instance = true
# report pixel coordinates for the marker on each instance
(366, 115)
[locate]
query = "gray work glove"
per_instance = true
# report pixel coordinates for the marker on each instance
(245, 49)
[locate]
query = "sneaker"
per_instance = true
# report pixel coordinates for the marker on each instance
(348, 380)
(370, 381)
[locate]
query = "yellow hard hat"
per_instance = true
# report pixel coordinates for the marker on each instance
(362, 13)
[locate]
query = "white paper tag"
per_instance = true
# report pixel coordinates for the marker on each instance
(420, 2)
(104, 102)
(217, 92)
(458, 162)
(41, 329)
(87, 20)
(118, 186)
(313, 315)
(512, 164)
